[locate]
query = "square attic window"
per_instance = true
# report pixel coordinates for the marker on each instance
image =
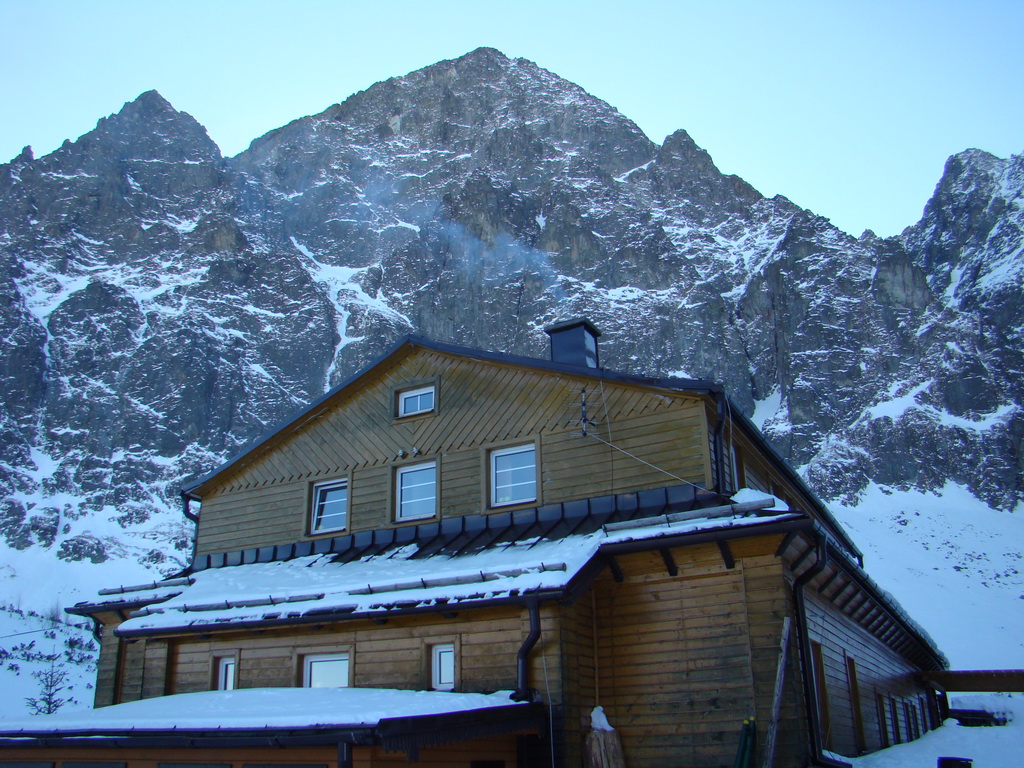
(414, 401)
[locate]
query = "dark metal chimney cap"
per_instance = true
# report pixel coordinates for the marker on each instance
(574, 342)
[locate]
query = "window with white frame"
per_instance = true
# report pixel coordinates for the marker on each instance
(226, 673)
(413, 401)
(513, 475)
(325, 670)
(416, 491)
(330, 506)
(442, 667)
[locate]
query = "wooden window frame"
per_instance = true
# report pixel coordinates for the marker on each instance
(400, 472)
(883, 721)
(897, 732)
(314, 496)
(306, 660)
(220, 665)
(492, 474)
(821, 694)
(415, 391)
(855, 704)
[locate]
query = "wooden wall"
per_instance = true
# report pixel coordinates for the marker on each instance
(681, 660)
(479, 406)
(880, 672)
(395, 654)
(107, 664)
(456, 755)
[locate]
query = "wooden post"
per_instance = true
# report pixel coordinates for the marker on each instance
(780, 674)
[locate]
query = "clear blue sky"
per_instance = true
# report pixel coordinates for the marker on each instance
(849, 109)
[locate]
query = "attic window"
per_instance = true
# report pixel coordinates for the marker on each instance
(330, 506)
(414, 401)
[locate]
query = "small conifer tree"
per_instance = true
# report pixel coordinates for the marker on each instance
(51, 682)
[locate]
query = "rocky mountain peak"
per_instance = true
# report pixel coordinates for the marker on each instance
(160, 305)
(973, 226)
(146, 129)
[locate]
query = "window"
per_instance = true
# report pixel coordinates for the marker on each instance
(442, 667)
(226, 673)
(858, 714)
(325, 670)
(513, 475)
(330, 506)
(413, 401)
(416, 491)
(821, 694)
(883, 720)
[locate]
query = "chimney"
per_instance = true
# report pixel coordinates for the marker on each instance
(574, 342)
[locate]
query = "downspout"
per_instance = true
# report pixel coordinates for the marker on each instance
(186, 499)
(523, 692)
(807, 673)
(720, 412)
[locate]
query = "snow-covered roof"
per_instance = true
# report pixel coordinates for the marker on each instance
(255, 708)
(319, 585)
(124, 597)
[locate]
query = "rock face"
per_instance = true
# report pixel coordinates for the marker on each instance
(161, 305)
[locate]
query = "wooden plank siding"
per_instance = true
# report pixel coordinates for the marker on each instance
(390, 655)
(880, 672)
(681, 661)
(479, 406)
(456, 755)
(107, 664)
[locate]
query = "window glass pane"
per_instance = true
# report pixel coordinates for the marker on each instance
(330, 506)
(417, 492)
(326, 671)
(514, 475)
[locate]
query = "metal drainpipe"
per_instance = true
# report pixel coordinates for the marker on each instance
(523, 692)
(810, 691)
(186, 498)
(719, 430)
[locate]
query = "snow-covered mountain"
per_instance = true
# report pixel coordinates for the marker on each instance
(161, 305)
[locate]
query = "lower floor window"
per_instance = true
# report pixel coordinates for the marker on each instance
(226, 673)
(325, 670)
(442, 667)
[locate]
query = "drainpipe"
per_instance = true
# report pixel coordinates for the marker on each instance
(810, 691)
(720, 411)
(186, 499)
(523, 692)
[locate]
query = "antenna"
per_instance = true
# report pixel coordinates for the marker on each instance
(584, 420)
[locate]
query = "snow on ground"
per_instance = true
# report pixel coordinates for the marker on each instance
(955, 565)
(996, 747)
(27, 642)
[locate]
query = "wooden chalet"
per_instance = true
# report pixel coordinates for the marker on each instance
(466, 552)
